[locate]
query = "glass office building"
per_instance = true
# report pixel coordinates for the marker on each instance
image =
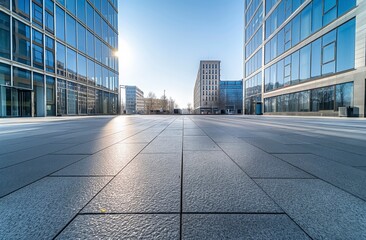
(231, 97)
(305, 57)
(58, 57)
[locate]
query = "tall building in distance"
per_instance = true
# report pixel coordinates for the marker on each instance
(305, 57)
(134, 100)
(207, 88)
(58, 57)
(231, 97)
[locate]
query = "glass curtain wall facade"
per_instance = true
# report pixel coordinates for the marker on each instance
(231, 97)
(57, 57)
(308, 50)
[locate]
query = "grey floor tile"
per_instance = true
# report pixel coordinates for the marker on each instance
(340, 156)
(171, 132)
(362, 168)
(271, 146)
(259, 164)
(193, 132)
(106, 162)
(42, 209)
(163, 144)
(347, 178)
(199, 143)
(322, 210)
(150, 183)
(240, 226)
(27, 154)
(143, 137)
(131, 226)
(213, 183)
(17, 176)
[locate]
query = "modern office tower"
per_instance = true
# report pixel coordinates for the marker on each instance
(207, 88)
(134, 100)
(305, 57)
(58, 57)
(231, 97)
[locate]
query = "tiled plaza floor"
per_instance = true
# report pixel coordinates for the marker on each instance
(183, 177)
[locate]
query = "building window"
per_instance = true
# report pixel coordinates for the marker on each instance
(50, 55)
(60, 23)
(61, 59)
(4, 35)
(71, 64)
(22, 7)
(21, 42)
(71, 31)
(37, 13)
(21, 78)
(38, 49)
(5, 75)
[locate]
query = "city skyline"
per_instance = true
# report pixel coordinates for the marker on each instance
(161, 43)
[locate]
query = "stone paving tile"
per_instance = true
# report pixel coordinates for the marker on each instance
(271, 146)
(202, 143)
(362, 168)
(193, 132)
(171, 132)
(240, 226)
(259, 164)
(19, 175)
(347, 178)
(163, 144)
(320, 209)
(340, 156)
(150, 183)
(106, 162)
(142, 137)
(123, 226)
(27, 154)
(42, 209)
(213, 183)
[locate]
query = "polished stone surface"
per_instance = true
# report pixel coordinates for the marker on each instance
(182, 177)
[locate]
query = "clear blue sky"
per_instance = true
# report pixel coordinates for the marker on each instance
(162, 42)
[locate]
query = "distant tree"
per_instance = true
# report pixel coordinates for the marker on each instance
(150, 102)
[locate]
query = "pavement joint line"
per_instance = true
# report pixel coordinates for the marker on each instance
(72, 219)
(71, 176)
(184, 213)
(181, 186)
(257, 184)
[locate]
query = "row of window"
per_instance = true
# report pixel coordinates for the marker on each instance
(332, 53)
(254, 43)
(254, 24)
(320, 99)
(209, 99)
(251, 10)
(76, 99)
(209, 71)
(77, 8)
(79, 68)
(312, 18)
(209, 87)
(209, 65)
(253, 85)
(205, 82)
(209, 76)
(254, 63)
(280, 14)
(209, 93)
(76, 31)
(23, 45)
